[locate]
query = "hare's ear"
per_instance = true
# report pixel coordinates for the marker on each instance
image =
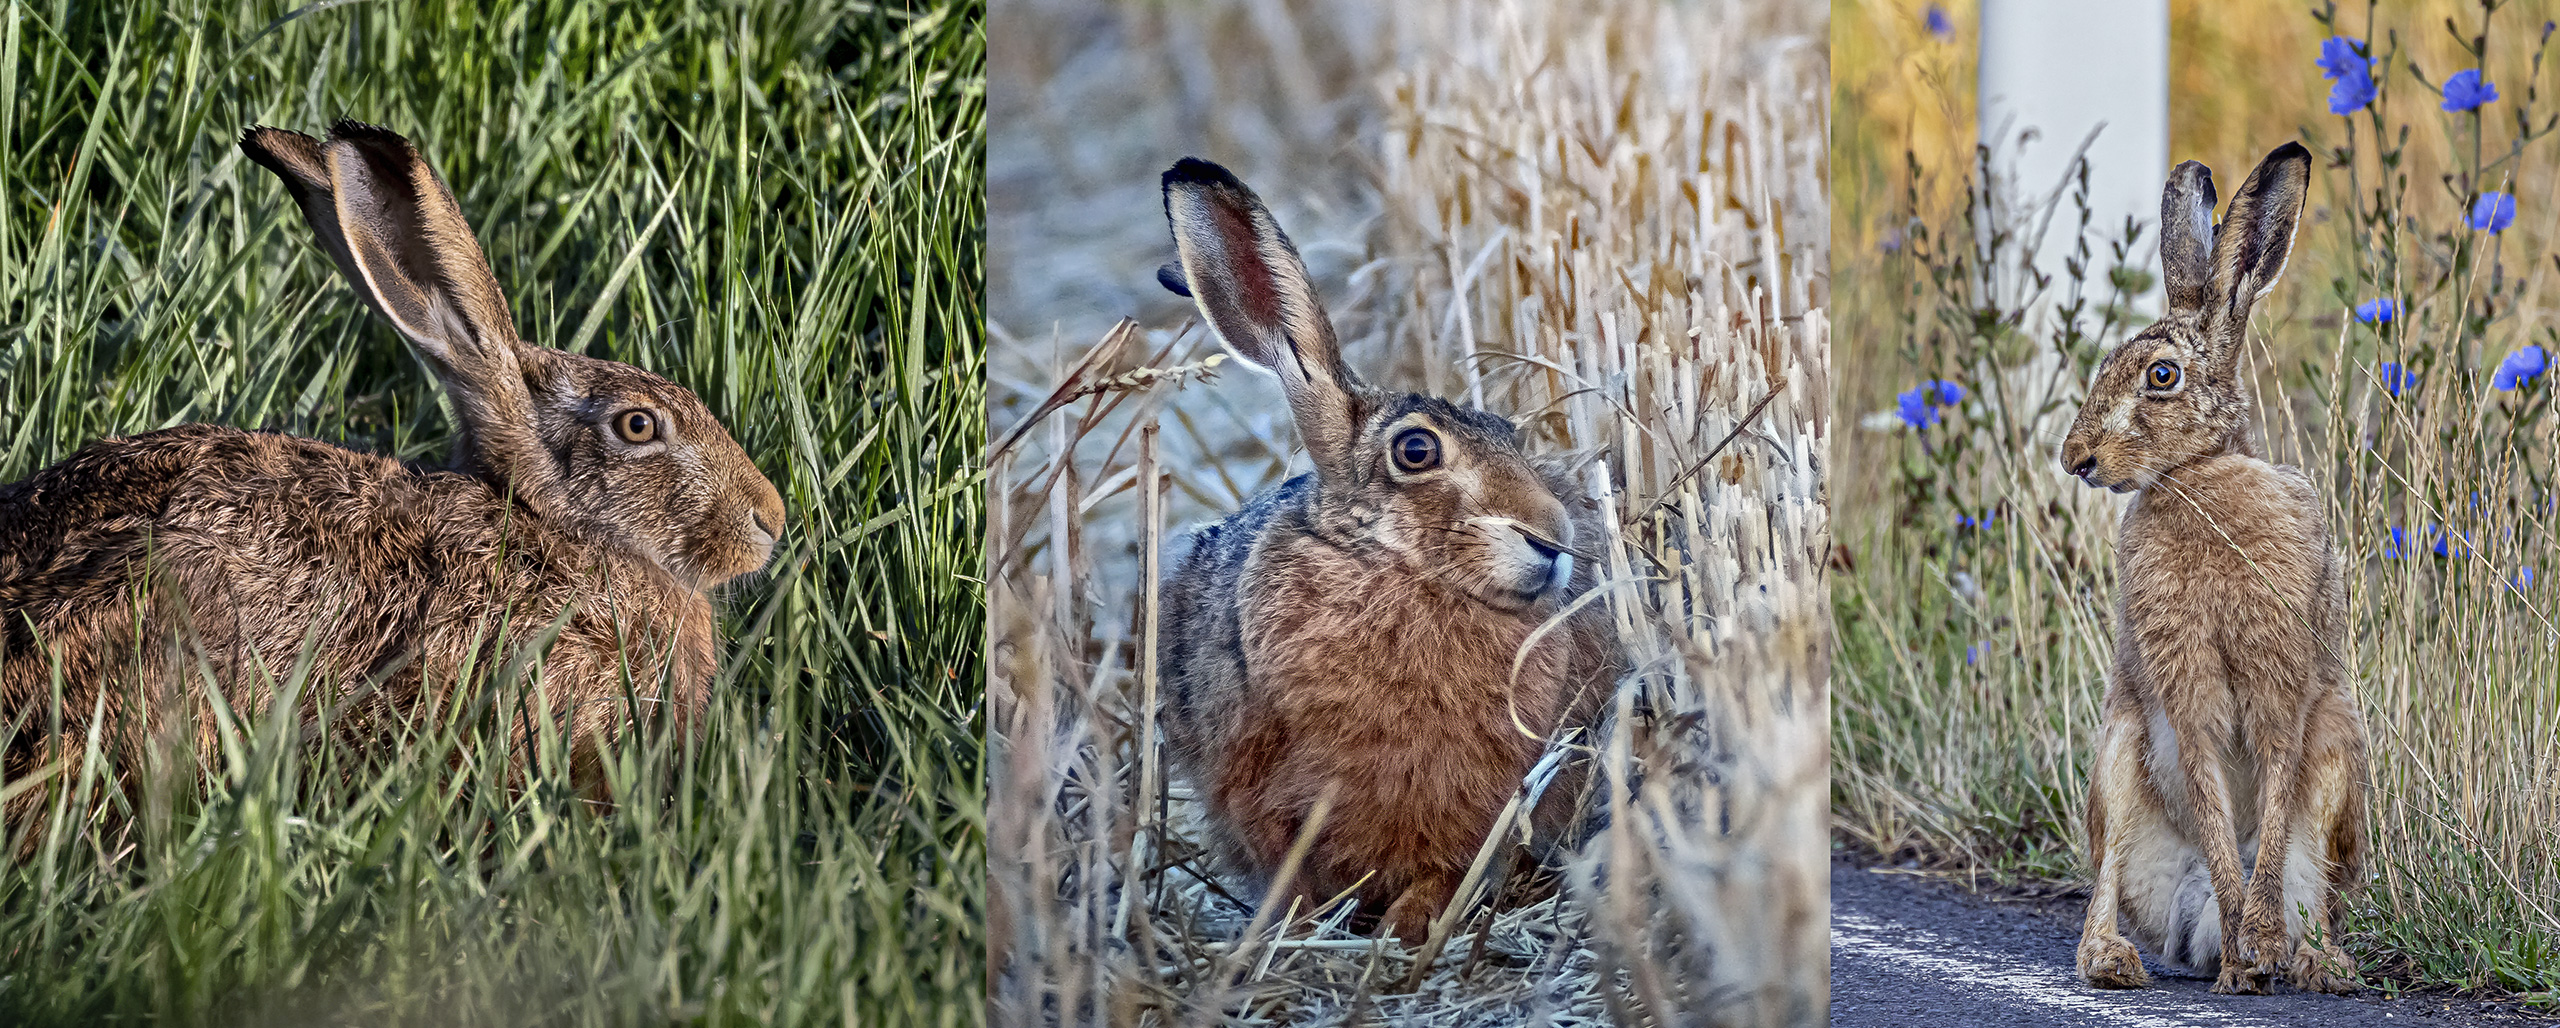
(2186, 236)
(397, 235)
(2256, 237)
(1249, 283)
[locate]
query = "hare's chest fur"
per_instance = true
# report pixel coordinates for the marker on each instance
(2228, 541)
(1415, 706)
(2224, 602)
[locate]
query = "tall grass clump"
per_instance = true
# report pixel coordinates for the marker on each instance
(775, 205)
(2403, 365)
(1599, 220)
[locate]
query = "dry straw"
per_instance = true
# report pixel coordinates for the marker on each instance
(1603, 221)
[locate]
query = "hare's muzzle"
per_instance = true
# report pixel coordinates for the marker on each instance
(1559, 560)
(2080, 457)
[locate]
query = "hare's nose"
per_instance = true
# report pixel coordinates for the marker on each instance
(1547, 551)
(1559, 561)
(2083, 469)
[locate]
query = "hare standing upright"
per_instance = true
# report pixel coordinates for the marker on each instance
(579, 486)
(1361, 629)
(2230, 733)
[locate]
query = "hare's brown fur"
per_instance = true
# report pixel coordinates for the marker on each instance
(1362, 628)
(137, 565)
(2231, 735)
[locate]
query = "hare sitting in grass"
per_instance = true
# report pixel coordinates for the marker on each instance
(2230, 735)
(142, 571)
(1370, 629)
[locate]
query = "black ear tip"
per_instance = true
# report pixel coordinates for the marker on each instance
(354, 131)
(2292, 150)
(1192, 171)
(1170, 277)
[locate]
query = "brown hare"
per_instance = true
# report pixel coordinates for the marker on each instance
(2231, 735)
(1361, 628)
(580, 488)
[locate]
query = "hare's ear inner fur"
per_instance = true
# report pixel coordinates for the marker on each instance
(2186, 236)
(1248, 282)
(400, 239)
(2257, 235)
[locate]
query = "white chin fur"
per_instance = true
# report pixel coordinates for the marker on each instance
(1563, 572)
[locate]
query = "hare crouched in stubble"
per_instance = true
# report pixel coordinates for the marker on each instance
(578, 485)
(1360, 629)
(2226, 805)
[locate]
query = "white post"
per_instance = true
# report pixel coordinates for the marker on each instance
(2061, 68)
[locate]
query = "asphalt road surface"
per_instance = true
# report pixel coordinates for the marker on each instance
(1909, 950)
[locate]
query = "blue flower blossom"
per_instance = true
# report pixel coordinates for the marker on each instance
(2523, 579)
(1939, 24)
(2398, 547)
(2449, 544)
(1981, 523)
(2339, 58)
(2352, 93)
(2520, 368)
(2378, 311)
(2395, 378)
(1918, 405)
(2492, 212)
(2464, 91)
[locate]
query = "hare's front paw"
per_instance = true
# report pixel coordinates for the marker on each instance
(2112, 963)
(1409, 917)
(2321, 969)
(2241, 976)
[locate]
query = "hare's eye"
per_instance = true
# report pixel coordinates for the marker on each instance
(2163, 375)
(635, 426)
(1416, 449)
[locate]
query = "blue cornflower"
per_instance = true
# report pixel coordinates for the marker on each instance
(1918, 406)
(2352, 93)
(1891, 243)
(2378, 311)
(2464, 91)
(1973, 654)
(2520, 368)
(2398, 547)
(2339, 58)
(2492, 212)
(1939, 24)
(2523, 579)
(2449, 544)
(2395, 378)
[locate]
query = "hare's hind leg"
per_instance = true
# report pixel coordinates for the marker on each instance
(2327, 860)
(2107, 960)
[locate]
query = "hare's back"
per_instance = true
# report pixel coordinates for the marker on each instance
(269, 540)
(1202, 643)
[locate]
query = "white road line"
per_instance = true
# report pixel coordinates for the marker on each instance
(1922, 954)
